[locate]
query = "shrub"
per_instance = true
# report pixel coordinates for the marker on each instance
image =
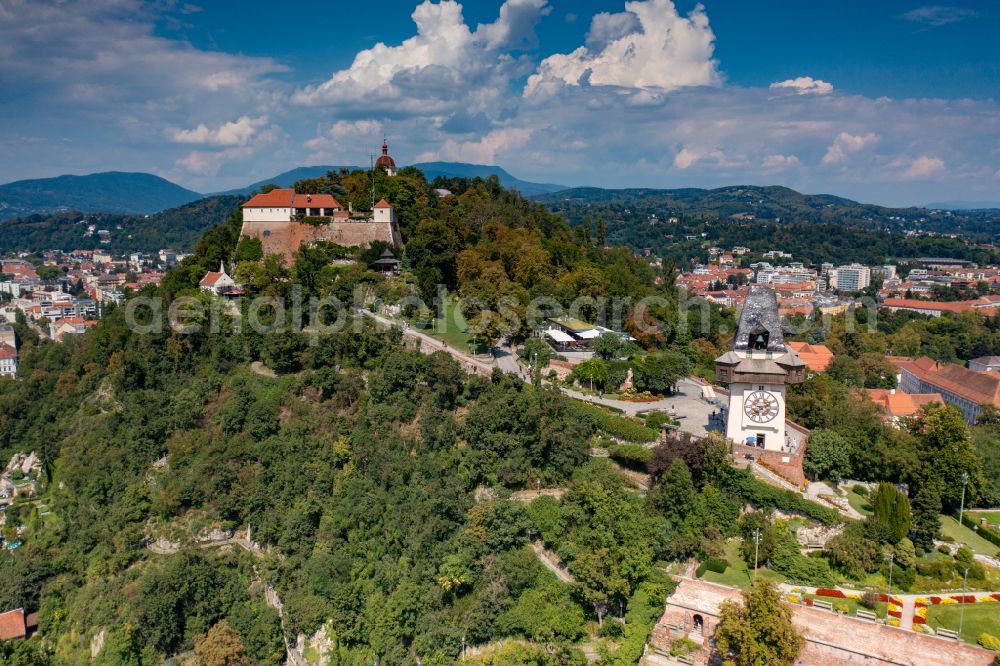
(869, 600)
(714, 564)
(617, 426)
(944, 549)
(990, 642)
(685, 646)
(860, 490)
(612, 629)
(633, 456)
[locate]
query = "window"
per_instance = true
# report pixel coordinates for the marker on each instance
(760, 439)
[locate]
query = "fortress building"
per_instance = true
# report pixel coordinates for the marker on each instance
(284, 220)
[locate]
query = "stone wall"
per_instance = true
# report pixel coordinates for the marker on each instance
(785, 464)
(284, 238)
(831, 639)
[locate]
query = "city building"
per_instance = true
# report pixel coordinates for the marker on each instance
(757, 369)
(986, 304)
(962, 387)
(985, 364)
(897, 405)
(218, 282)
(8, 360)
(816, 357)
(16, 624)
(853, 277)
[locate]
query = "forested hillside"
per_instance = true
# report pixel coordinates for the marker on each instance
(177, 228)
(356, 469)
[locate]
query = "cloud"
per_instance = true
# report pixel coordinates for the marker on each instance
(805, 85)
(935, 16)
(650, 45)
(924, 167)
(442, 69)
(778, 162)
(208, 163)
(481, 151)
(845, 144)
(235, 133)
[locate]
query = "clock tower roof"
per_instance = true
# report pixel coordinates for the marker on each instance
(760, 324)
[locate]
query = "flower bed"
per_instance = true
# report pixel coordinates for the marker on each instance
(828, 592)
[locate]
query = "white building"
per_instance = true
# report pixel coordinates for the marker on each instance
(218, 282)
(853, 277)
(8, 360)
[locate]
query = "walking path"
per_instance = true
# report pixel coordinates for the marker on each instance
(551, 562)
(694, 413)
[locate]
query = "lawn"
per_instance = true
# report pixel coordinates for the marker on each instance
(450, 326)
(859, 503)
(990, 516)
(962, 534)
(979, 619)
(738, 574)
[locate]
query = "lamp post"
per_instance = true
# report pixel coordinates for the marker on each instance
(756, 549)
(961, 506)
(961, 609)
(888, 596)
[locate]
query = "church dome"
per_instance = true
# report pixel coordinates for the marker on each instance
(385, 160)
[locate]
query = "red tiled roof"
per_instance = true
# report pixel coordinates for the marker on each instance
(383, 204)
(12, 624)
(6, 351)
(978, 387)
(941, 306)
(898, 404)
(816, 357)
(277, 198)
(315, 201)
(210, 279)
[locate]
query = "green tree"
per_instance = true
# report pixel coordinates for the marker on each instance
(593, 371)
(891, 512)
(947, 452)
(926, 515)
(221, 646)
(828, 456)
(658, 373)
(759, 631)
(608, 346)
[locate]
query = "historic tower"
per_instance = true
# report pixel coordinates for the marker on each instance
(757, 370)
(385, 160)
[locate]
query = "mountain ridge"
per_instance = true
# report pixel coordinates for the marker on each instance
(134, 193)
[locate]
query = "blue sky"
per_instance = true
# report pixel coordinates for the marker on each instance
(891, 102)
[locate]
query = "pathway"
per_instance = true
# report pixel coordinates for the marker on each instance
(694, 413)
(551, 562)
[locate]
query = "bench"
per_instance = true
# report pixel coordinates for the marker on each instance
(947, 633)
(866, 615)
(825, 605)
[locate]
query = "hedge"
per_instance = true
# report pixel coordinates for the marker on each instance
(714, 564)
(766, 497)
(633, 456)
(984, 530)
(617, 426)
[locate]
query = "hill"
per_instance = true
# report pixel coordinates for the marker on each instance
(965, 205)
(177, 228)
(770, 203)
(430, 169)
(112, 191)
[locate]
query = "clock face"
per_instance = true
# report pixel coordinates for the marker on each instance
(761, 406)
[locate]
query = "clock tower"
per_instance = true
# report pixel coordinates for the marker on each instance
(757, 369)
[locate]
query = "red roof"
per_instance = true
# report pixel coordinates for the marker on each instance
(977, 387)
(277, 198)
(816, 357)
(316, 201)
(940, 306)
(382, 203)
(210, 279)
(12, 624)
(900, 405)
(6, 351)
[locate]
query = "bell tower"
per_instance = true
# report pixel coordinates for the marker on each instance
(757, 370)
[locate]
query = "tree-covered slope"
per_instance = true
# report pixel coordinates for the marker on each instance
(177, 228)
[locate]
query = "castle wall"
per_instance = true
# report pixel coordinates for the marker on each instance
(284, 238)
